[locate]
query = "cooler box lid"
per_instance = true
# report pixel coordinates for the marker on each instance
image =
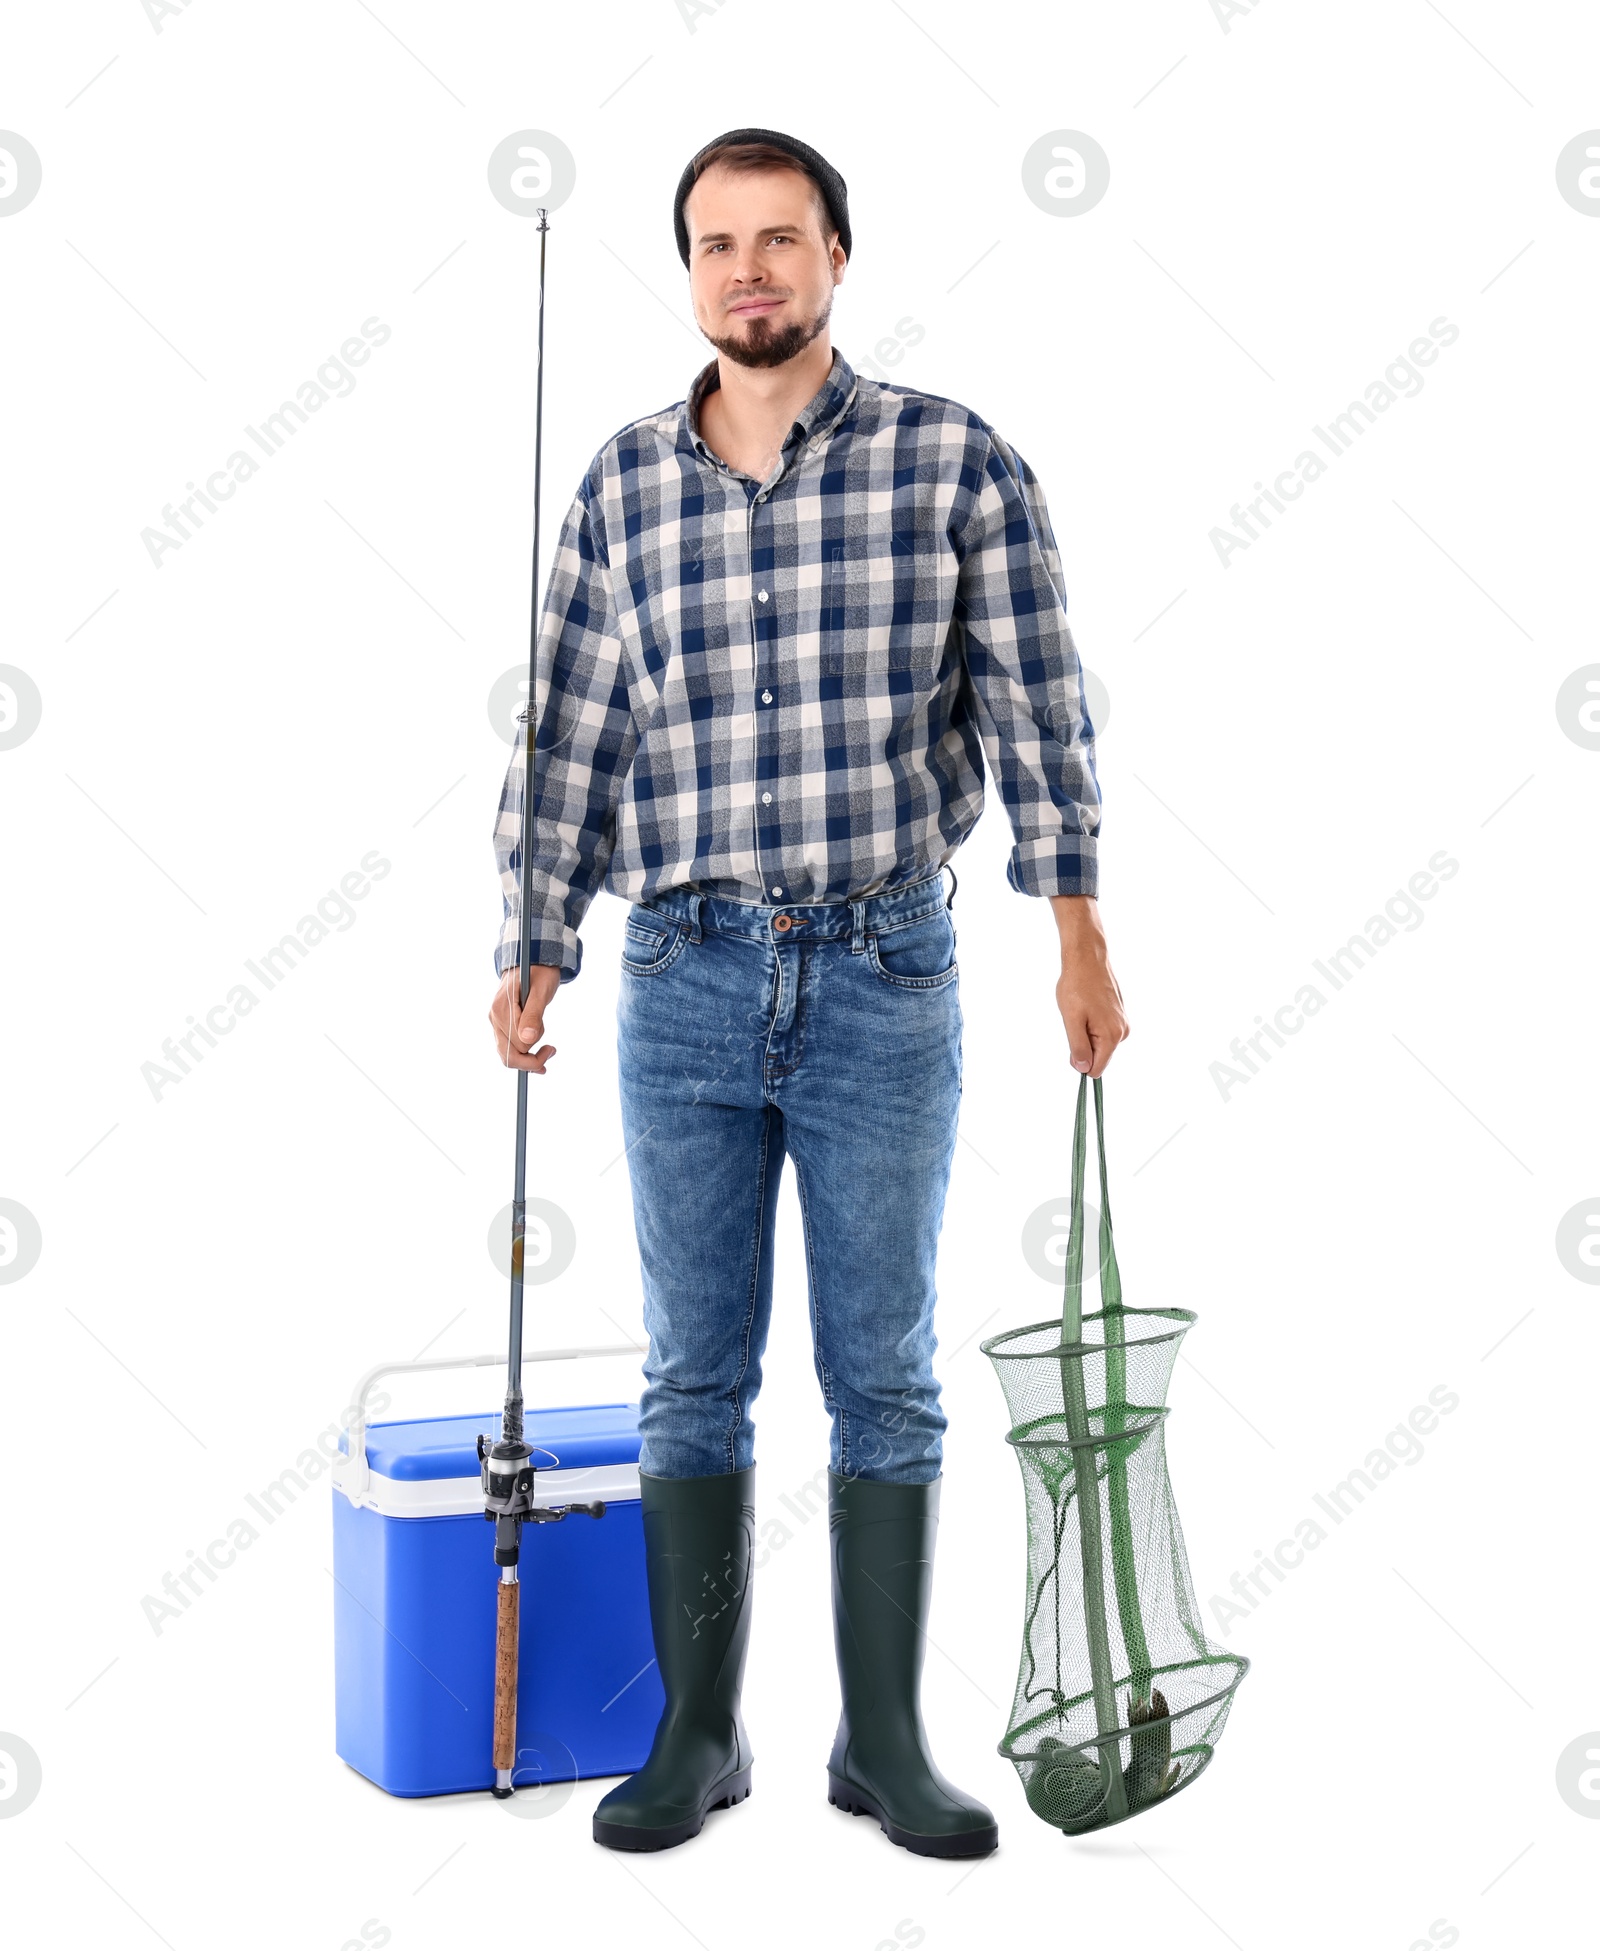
(427, 1466)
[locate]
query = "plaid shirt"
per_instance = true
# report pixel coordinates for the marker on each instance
(781, 691)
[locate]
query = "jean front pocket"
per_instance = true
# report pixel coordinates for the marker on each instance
(917, 954)
(651, 942)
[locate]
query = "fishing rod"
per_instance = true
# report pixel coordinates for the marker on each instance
(506, 1467)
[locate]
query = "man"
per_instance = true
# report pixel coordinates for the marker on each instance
(787, 619)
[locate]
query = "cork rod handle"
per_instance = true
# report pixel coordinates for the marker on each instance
(505, 1676)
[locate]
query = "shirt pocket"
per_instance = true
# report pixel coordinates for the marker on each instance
(880, 607)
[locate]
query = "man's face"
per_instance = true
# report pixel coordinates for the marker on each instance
(761, 270)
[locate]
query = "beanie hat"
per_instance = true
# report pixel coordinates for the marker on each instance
(827, 179)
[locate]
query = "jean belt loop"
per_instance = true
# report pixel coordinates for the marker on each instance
(858, 926)
(696, 903)
(950, 899)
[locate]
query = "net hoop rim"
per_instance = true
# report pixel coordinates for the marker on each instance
(1152, 1418)
(993, 1348)
(1240, 1662)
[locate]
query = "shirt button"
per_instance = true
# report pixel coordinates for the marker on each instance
(766, 799)
(777, 890)
(761, 596)
(766, 697)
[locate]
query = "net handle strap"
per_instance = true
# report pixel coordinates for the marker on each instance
(1110, 1273)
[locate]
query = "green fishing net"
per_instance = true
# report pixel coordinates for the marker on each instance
(1121, 1698)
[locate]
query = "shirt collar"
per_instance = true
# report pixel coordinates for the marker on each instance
(816, 419)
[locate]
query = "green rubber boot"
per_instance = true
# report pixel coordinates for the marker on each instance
(698, 1536)
(882, 1537)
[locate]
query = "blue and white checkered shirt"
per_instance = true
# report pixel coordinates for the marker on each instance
(781, 691)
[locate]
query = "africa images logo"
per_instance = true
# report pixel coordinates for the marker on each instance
(1400, 380)
(333, 380)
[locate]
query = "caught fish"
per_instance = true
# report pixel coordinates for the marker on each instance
(1064, 1785)
(1152, 1771)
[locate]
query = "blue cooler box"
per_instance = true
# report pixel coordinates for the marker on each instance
(415, 1599)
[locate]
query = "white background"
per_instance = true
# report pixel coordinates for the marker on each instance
(1294, 196)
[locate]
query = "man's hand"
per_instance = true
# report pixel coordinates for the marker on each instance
(1087, 994)
(514, 1035)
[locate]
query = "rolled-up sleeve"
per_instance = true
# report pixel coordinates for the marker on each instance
(1026, 679)
(584, 745)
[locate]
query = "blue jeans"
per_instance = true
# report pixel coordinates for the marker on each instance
(829, 1032)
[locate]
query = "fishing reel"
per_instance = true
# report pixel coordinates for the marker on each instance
(506, 1471)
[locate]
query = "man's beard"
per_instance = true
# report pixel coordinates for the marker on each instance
(763, 344)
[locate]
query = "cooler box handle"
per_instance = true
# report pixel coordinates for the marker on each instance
(350, 1472)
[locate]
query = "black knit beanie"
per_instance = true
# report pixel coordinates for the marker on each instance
(827, 178)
